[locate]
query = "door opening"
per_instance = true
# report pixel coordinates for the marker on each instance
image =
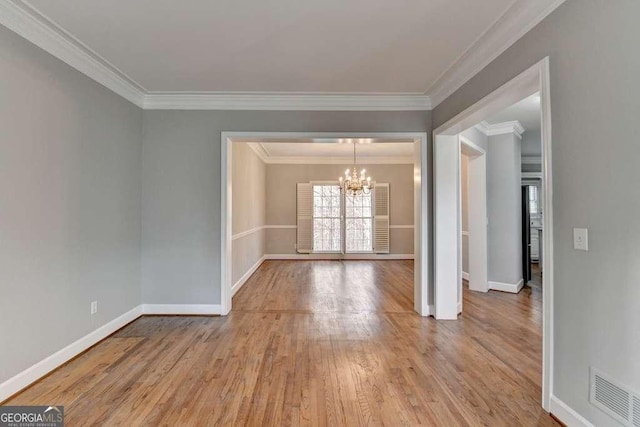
(447, 241)
(358, 222)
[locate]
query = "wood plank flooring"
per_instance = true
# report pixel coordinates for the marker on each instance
(315, 343)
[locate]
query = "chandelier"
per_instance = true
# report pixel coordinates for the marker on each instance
(353, 184)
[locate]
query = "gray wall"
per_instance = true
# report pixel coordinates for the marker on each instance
(531, 143)
(70, 216)
(592, 45)
(181, 188)
(281, 201)
(531, 147)
(504, 210)
(248, 209)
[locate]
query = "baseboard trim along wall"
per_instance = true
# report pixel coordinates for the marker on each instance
(514, 288)
(465, 276)
(566, 414)
(34, 373)
(353, 257)
(182, 309)
(236, 287)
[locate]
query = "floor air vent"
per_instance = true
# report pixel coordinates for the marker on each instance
(615, 399)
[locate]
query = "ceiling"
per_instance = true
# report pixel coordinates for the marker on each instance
(277, 54)
(527, 112)
(278, 45)
(335, 151)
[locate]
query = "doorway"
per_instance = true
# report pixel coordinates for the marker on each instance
(532, 232)
(476, 216)
(447, 244)
(421, 203)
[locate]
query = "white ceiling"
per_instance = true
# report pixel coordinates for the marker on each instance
(527, 112)
(346, 46)
(332, 151)
(313, 55)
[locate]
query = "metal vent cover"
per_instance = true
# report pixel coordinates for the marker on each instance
(614, 398)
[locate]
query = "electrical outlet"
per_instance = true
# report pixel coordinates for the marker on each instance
(581, 239)
(94, 307)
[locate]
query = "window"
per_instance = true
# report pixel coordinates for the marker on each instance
(329, 228)
(327, 215)
(330, 222)
(359, 223)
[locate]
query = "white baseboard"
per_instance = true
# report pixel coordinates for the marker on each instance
(182, 309)
(431, 311)
(236, 287)
(514, 288)
(310, 257)
(48, 364)
(566, 414)
(465, 276)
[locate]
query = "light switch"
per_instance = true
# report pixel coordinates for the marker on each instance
(581, 239)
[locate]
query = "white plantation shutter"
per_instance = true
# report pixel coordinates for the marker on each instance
(304, 198)
(381, 218)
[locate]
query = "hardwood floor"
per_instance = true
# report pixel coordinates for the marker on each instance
(536, 276)
(315, 343)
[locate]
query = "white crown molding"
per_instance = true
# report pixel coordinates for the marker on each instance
(27, 22)
(501, 128)
(285, 101)
(521, 17)
(264, 155)
(286, 160)
(483, 127)
(260, 151)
